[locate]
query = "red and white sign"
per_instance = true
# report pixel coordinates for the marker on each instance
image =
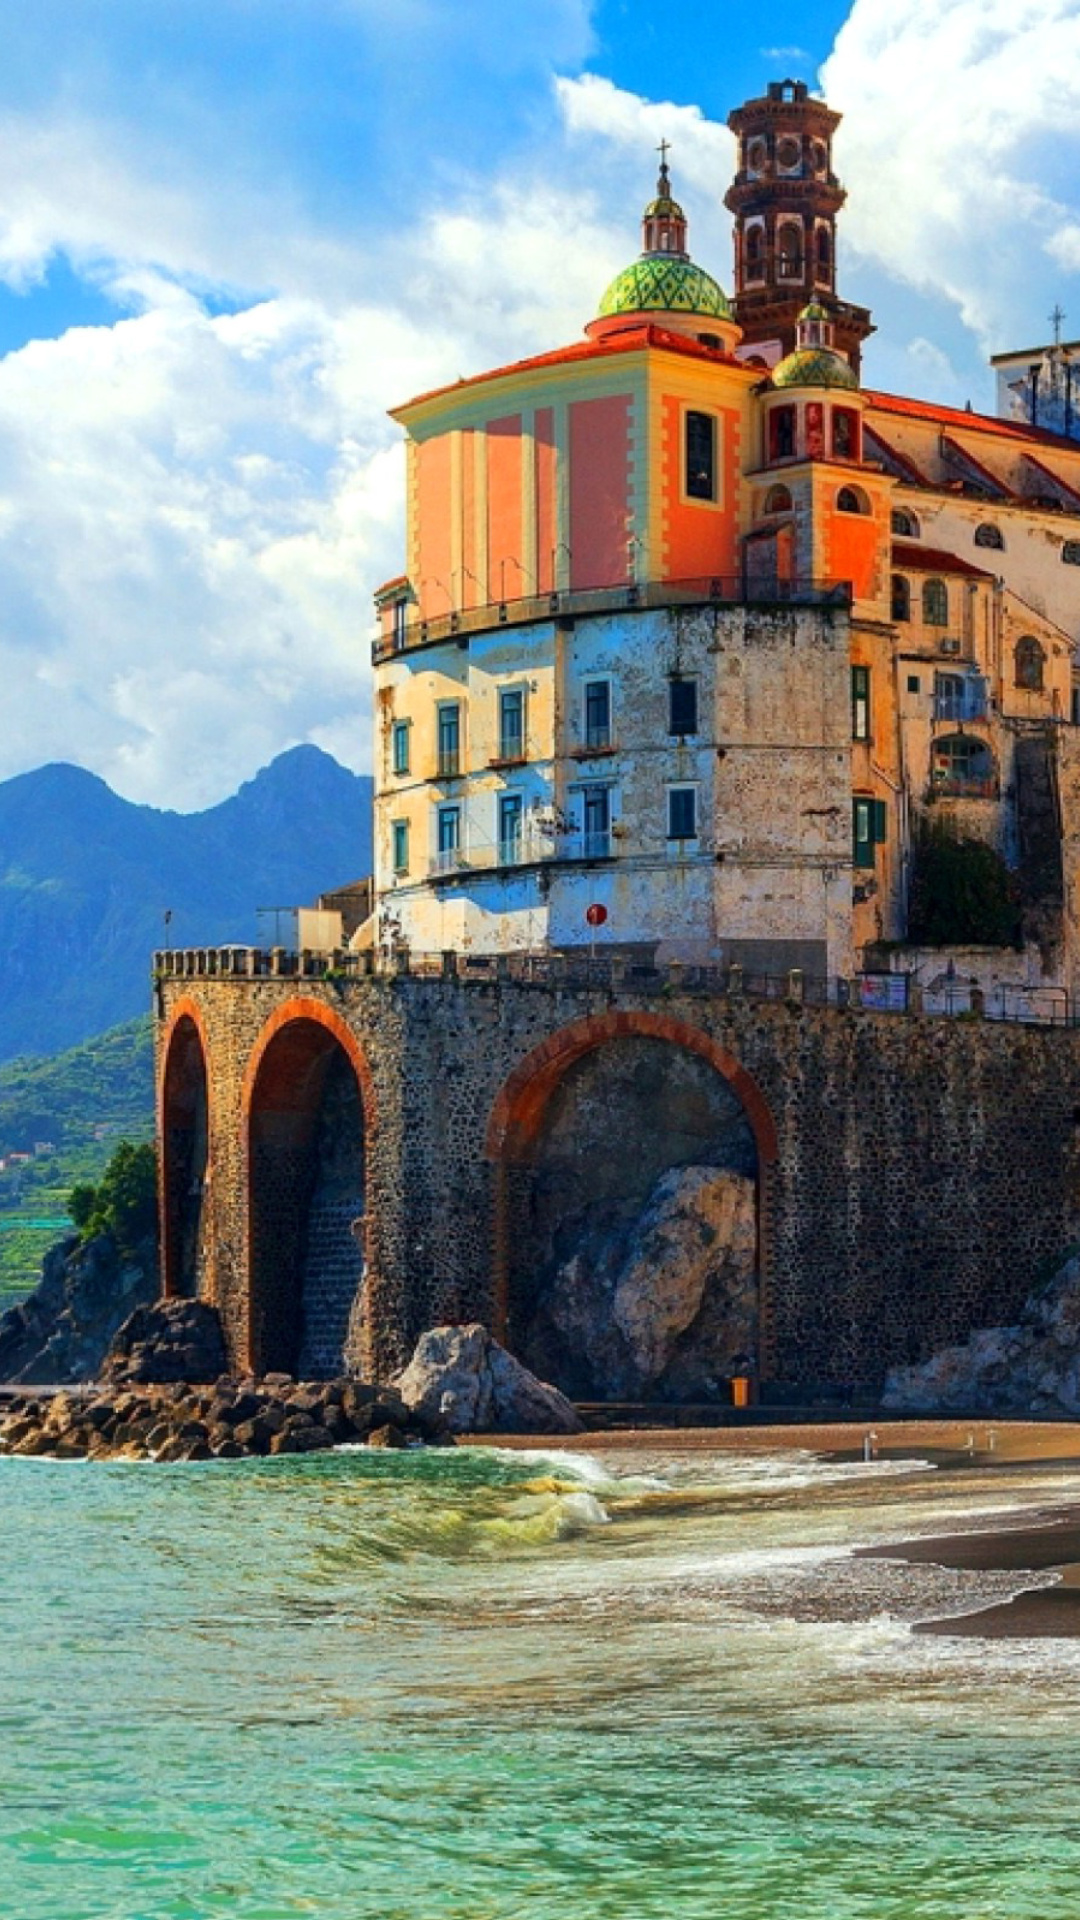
(596, 914)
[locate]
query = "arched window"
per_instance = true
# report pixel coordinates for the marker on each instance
(1070, 553)
(845, 433)
(935, 603)
(777, 500)
(963, 768)
(901, 597)
(824, 253)
(781, 433)
(789, 252)
(852, 500)
(988, 536)
(755, 252)
(905, 524)
(1030, 663)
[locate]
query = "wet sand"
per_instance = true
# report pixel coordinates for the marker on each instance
(1048, 1540)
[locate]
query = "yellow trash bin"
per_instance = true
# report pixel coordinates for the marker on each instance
(740, 1390)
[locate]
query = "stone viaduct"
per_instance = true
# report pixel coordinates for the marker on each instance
(347, 1160)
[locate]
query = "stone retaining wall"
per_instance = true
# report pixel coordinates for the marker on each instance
(917, 1175)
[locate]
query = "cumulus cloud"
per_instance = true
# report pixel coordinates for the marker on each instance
(961, 147)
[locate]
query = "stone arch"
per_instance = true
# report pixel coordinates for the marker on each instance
(308, 1109)
(716, 1086)
(184, 1170)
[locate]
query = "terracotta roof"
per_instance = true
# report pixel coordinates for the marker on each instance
(958, 417)
(919, 559)
(630, 339)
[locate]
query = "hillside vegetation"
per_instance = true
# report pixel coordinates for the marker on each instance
(80, 1104)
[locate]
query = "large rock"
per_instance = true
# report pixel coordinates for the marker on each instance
(1032, 1367)
(664, 1306)
(171, 1340)
(465, 1378)
(87, 1290)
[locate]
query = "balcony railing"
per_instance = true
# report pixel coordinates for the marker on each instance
(597, 739)
(450, 860)
(964, 786)
(449, 763)
(586, 846)
(512, 852)
(718, 590)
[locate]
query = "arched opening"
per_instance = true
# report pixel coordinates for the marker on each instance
(935, 603)
(790, 252)
(308, 1103)
(1070, 553)
(1030, 664)
(901, 597)
(905, 524)
(852, 500)
(777, 500)
(963, 768)
(629, 1152)
(989, 536)
(184, 1137)
(755, 252)
(824, 253)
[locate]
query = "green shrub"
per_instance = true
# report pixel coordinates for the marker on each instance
(962, 893)
(124, 1203)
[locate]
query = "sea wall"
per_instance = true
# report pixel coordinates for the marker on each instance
(915, 1175)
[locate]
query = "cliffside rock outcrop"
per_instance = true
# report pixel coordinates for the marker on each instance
(1032, 1367)
(62, 1332)
(169, 1340)
(461, 1376)
(666, 1307)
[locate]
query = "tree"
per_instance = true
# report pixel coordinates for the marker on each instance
(124, 1204)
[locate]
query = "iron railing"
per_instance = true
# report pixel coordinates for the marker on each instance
(732, 590)
(890, 995)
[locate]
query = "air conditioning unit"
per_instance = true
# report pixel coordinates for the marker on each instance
(950, 646)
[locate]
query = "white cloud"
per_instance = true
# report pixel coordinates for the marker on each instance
(959, 117)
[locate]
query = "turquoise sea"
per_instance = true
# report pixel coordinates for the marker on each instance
(474, 1685)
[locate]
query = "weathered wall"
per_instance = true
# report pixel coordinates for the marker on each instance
(916, 1174)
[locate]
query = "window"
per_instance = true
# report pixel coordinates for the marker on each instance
(449, 829)
(400, 836)
(905, 524)
(935, 603)
(851, 500)
(790, 253)
(1074, 707)
(963, 767)
(449, 740)
(778, 500)
(914, 684)
(400, 747)
(860, 703)
(701, 456)
(682, 706)
(755, 252)
(598, 713)
(960, 696)
(845, 433)
(1030, 662)
(682, 813)
(901, 597)
(824, 253)
(781, 433)
(510, 823)
(1070, 553)
(988, 536)
(789, 153)
(593, 810)
(400, 616)
(869, 829)
(512, 724)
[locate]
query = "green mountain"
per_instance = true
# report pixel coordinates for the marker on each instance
(68, 1114)
(86, 881)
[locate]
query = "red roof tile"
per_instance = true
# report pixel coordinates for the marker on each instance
(630, 339)
(919, 559)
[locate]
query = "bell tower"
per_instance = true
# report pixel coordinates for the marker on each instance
(785, 198)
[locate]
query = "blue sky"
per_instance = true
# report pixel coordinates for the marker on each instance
(232, 234)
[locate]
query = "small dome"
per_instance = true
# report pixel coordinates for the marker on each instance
(814, 367)
(657, 283)
(815, 311)
(664, 208)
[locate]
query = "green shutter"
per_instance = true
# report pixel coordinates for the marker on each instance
(880, 821)
(862, 833)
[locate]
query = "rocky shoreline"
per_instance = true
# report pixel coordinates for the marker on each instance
(230, 1420)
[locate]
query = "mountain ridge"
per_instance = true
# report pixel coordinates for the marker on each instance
(87, 878)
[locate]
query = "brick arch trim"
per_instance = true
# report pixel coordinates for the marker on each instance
(185, 1009)
(289, 1014)
(517, 1116)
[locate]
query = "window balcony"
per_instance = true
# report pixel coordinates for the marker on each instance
(449, 763)
(970, 704)
(588, 846)
(512, 852)
(451, 860)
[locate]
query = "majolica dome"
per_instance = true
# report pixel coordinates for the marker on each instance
(814, 367)
(815, 362)
(655, 283)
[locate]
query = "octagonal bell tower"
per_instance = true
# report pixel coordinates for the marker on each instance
(785, 198)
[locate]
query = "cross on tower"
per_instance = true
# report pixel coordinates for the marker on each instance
(663, 150)
(1056, 319)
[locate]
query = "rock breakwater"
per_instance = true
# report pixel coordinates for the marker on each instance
(230, 1420)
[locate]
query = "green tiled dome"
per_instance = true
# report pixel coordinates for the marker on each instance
(814, 367)
(658, 284)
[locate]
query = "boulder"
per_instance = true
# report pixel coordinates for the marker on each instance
(87, 1290)
(1032, 1367)
(170, 1341)
(462, 1377)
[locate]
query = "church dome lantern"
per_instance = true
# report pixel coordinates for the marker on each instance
(815, 361)
(663, 282)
